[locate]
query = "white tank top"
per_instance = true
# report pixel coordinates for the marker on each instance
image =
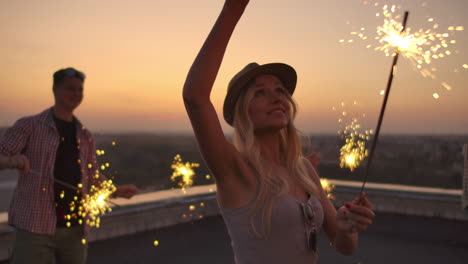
(287, 240)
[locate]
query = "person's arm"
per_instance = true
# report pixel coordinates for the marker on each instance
(12, 144)
(351, 219)
(220, 156)
(125, 191)
(342, 226)
(18, 161)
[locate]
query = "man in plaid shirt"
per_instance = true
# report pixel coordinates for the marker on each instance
(52, 150)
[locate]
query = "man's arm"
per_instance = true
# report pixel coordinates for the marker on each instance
(125, 191)
(19, 162)
(12, 144)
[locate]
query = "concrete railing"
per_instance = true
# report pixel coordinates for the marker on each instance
(406, 200)
(147, 211)
(155, 210)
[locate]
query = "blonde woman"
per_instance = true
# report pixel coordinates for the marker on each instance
(269, 195)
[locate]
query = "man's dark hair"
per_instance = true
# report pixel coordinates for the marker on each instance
(67, 72)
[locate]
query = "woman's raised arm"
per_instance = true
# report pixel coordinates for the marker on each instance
(218, 153)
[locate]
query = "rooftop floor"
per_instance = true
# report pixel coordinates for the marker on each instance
(391, 239)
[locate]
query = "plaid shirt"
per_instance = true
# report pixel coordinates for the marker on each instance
(32, 207)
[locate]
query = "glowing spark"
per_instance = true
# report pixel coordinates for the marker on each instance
(421, 47)
(354, 151)
(114, 143)
(156, 243)
(435, 95)
(95, 203)
(382, 92)
(83, 241)
(447, 86)
(328, 188)
(350, 159)
(208, 177)
(465, 66)
(184, 171)
(192, 207)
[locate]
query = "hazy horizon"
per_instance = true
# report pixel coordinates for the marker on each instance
(228, 133)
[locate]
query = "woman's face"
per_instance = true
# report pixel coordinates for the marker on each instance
(269, 107)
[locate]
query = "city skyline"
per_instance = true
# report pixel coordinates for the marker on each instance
(136, 56)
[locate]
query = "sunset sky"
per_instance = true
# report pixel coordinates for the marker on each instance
(136, 55)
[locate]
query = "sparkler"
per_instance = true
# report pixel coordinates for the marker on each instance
(384, 104)
(354, 151)
(183, 171)
(95, 203)
(328, 188)
(421, 47)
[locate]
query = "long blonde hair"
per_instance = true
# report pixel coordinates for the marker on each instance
(270, 186)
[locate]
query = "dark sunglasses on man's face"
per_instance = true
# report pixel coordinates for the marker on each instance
(311, 230)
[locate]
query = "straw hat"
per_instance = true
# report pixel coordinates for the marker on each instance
(284, 72)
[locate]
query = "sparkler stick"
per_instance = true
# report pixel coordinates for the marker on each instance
(60, 182)
(72, 187)
(382, 110)
(66, 184)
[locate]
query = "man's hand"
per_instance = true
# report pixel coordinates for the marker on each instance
(126, 191)
(19, 162)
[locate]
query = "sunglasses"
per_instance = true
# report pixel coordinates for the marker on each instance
(311, 230)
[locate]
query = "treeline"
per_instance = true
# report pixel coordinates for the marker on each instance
(431, 161)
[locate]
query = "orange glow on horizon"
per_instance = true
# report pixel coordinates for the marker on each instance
(137, 55)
